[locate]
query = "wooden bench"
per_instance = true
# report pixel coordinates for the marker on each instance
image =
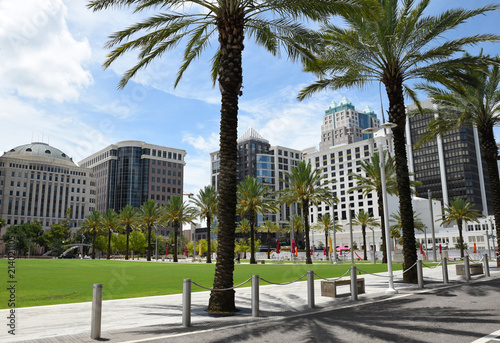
(329, 288)
(475, 269)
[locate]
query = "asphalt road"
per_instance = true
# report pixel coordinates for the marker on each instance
(463, 313)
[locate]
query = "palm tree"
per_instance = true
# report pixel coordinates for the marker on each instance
(460, 210)
(93, 224)
(3, 223)
(254, 198)
(304, 185)
(178, 213)
(396, 229)
(269, 227)
(365, 219)
(325, 223)
(206, 201)
(128, 218)
(394, 43)
(371, 181)
(474, 103)
(295, 225)
(243, 227)
(228, 21)
(110, 222)
(149, 213)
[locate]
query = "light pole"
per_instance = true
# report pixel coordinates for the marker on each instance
(432, 226)
(350, 233)
(388, 125)
(488, 242)
(492, 237)
(334, 233)
(156, 244)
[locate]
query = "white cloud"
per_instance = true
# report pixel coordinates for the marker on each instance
(40, 57)
(204, 145)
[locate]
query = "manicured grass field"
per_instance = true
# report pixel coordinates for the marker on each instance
(49, 282)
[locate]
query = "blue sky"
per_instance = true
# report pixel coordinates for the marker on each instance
(53, 88)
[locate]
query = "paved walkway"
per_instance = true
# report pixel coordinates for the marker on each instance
(151, 318)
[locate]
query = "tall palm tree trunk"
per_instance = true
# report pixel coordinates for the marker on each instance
(268, 244)
(397, 115)
(209, 247)
(305, 210)
(175, 244)
(230, 27)
(363, 231)
(109, 246)
(93, 245)
(252, 238)
(382, 225)
(128, 236)
(490, 153)
(149, 244)
(461, 238)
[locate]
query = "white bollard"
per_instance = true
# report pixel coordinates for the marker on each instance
(467, 268)
(444, 259)
(310, 289)
(95, 326)
(486, 265)
(255, 295)
(354, 284)
(186, 302)
(420, 274)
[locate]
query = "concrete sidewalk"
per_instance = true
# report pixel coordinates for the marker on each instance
(143, 319)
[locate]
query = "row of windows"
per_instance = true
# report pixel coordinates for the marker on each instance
(42, 167)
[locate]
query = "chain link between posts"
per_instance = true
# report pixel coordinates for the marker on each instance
(340, 277)
(434, 266)
(222, 289)
(284, 283)
(372, 273)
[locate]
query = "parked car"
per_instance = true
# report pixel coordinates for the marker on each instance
(67, 256)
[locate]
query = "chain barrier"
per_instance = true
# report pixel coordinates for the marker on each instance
(221, 289)
(434, 266)
(340, 277)
(414, 264)
(372, 273)
(284, 283)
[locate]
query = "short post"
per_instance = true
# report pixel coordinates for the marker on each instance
(467, 268)
(186, 302)
(255, 295)
(354, 284)
(95, 327)
(445, 269)
(486, 265)
(420, 274)
(310, 289)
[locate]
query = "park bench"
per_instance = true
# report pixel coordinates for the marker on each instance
(475, 269)
(329, 287)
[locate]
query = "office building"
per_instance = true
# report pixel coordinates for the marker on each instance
(131, 172)
(40, 182)
(449, 166)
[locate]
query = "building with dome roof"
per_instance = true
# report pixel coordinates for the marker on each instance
(40, 182)
(342, 124)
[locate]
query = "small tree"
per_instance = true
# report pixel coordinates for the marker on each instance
(137, 242)
(206, 203)
(149, 214)
(111, 223)
(364, 219)
(460, 211)
(129, 219)
(93, 224)
(269, 227)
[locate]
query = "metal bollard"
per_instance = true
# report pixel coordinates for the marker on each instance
(486, 265)
(255, 295)
(420, 274)
(445, 269)
(467, 268)
(310, 289)
(354, 284)
(95, 326)
(186, 302)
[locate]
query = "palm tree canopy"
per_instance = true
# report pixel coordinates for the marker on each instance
(459, 103)
(243, 226)
(164, 31)
(397, 226)
(177, 212)
(325, 223)
(371, 180)
(206, 202)
(111, 220)
(364, 219)
(296, 222)
(149, 213)
(128, 216)
(254, 197)
(460, 210)
(269, 226)
(395, 41)
(304, 185)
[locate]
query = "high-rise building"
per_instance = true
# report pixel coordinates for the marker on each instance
(342, 124)
(449, 166)
(40, 182)
(131, 172)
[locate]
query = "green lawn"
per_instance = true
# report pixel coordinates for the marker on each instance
(49, 282)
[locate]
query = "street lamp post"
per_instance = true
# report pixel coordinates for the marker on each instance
(334, 248)
(156, 244)
(492, 237)
(350, 233)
